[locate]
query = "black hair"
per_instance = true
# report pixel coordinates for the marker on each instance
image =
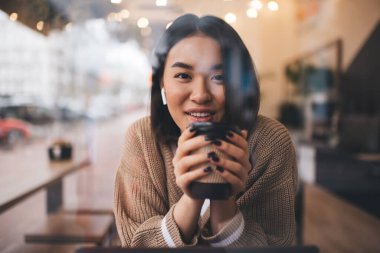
(240, 80)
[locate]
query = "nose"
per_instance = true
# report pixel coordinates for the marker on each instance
(200, 93)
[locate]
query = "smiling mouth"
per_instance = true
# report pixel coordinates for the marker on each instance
(201, 116)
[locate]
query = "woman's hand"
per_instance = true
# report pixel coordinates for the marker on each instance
(234, 170)
(183, 160)
(187, 210)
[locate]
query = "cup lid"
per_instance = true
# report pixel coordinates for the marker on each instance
(214, 129)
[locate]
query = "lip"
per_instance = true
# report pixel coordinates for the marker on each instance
(200, 110)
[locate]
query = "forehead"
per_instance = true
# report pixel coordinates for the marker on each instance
(195, 50)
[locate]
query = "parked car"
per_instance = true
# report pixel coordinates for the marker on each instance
(13, 130)
(67, 115)
(31, 113)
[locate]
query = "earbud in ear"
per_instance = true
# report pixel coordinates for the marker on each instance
(163, 96)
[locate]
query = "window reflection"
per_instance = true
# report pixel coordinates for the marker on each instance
(80, 72)
(69, 66)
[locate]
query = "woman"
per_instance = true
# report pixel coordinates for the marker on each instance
(203, 72)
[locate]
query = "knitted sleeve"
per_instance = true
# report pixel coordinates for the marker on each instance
(266, 209)
(143, 217)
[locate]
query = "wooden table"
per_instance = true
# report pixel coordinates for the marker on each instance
(335, 225)
(27, 170)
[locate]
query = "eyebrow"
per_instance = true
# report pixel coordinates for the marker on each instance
(217, 67)
(189, 67)
(182, 65)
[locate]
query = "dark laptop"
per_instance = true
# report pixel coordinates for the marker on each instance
(294, 249)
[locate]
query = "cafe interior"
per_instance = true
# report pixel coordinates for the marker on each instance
(74, 74)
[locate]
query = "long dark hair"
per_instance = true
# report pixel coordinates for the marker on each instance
(240, 80)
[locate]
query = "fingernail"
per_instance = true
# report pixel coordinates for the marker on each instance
(216, 142)
(211, 154)
(207, 169)
(221, 169)
(215, 158)
(192, 129)
(230, 134)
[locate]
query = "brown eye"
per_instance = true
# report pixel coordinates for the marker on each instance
(183, 76)
(219, 78)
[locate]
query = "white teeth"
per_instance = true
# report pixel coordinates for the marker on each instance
(200, 114)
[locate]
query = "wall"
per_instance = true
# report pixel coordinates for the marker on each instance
(350, 20)
(275, 38)
(272, 40)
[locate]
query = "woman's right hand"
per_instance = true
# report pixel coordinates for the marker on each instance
(184, 160)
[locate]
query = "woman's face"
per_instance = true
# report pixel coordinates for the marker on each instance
(193, 81)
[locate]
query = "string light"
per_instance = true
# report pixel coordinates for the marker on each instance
(161, 2)
(116, 1)
(230, 18)
(124, 14)
(272, 6)
(252, 13)
(112, 17)
(118, 16)
(142, 22)
(256, 4)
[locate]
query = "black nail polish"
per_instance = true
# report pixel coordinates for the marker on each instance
(221, 169)
(211, 154)
(192, 129)
(207, 169)
(230, 134)
(215, 158)
(216, 142)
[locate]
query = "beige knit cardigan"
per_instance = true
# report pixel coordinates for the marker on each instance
(146, 193)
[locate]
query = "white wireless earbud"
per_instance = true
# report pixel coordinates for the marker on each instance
(163, 96)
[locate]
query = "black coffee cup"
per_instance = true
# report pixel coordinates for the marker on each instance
(211, 186)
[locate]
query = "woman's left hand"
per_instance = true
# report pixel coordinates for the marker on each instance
(234, 170)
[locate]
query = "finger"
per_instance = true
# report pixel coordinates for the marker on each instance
(238, 140)
(186, 179)
(186, 147)
(187, 134)
(232, 150)
(233, 167)
(244, 133)
(231, 178)
(187, 162)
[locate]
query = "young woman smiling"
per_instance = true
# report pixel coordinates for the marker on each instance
(201, 71)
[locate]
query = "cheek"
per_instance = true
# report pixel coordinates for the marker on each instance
(176, 99)
(174, 96)
(219, 96)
